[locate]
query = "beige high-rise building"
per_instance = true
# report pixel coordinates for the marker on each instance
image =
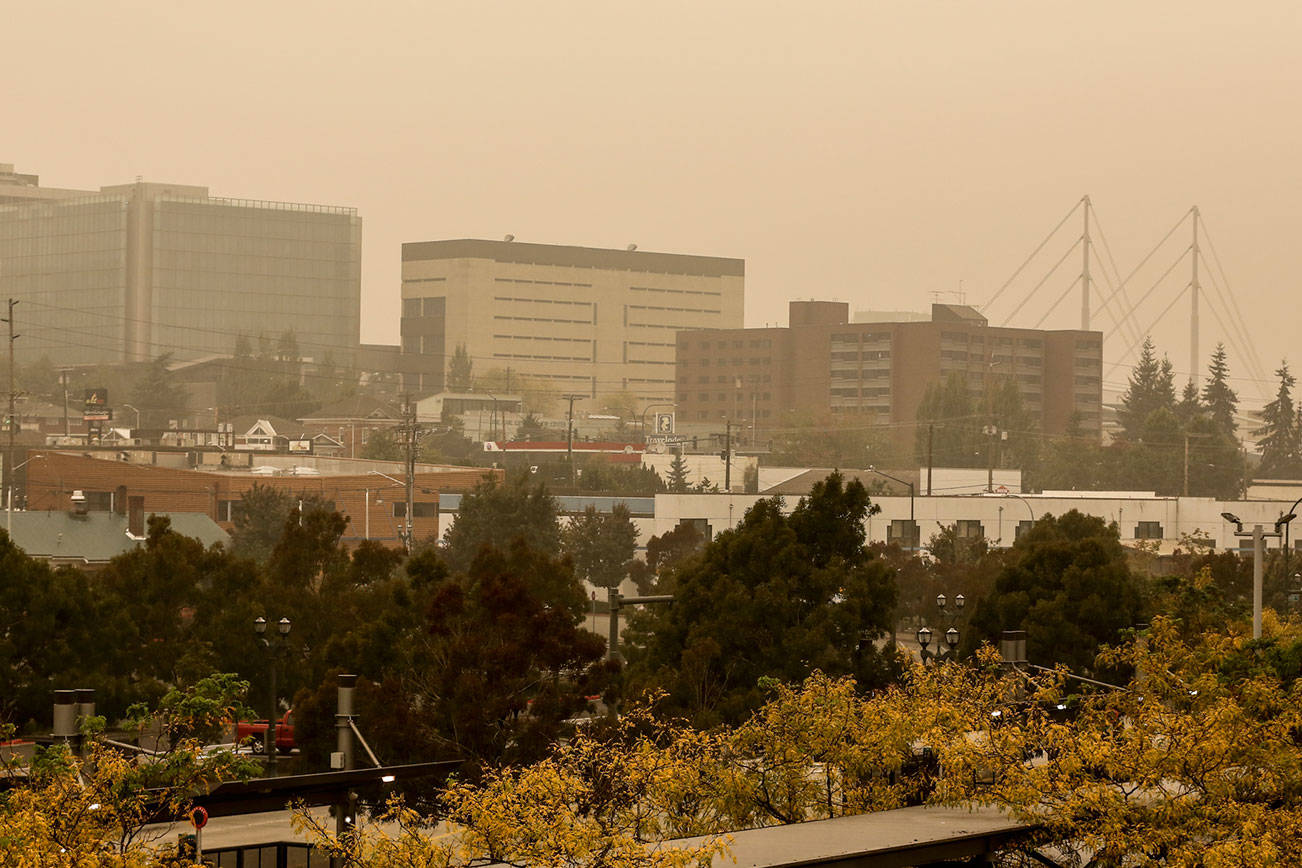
(581, 320)
(132, 271)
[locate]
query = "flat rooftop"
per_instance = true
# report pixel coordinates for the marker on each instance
(526, 253)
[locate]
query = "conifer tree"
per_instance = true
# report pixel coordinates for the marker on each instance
(1190, 406)
(677, 481)
(1151, 388)
(1218, 397)
(1279, 439)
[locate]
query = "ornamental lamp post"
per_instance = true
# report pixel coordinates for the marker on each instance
(275, 646)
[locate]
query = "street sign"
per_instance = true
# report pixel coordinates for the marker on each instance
(666, 439)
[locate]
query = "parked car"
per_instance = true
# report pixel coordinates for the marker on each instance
(254, 733)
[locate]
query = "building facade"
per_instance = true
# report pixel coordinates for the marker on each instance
(879, 371)
(130, 272)
(580, 320)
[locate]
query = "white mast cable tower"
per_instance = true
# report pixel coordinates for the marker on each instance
(1085, 271)
(1193, 304)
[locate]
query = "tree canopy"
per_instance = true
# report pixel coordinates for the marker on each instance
(778, 596)
(1068, 585)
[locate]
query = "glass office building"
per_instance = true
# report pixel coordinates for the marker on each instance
(143, 269)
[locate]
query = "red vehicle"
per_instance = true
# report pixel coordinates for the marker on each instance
(254, 732)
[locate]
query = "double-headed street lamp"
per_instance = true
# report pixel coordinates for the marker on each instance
(276, 644)
(950, 636)
(1258, 536)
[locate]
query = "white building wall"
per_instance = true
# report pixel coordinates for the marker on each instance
(999, 515)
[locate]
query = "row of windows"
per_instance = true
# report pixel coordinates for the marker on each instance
(538, 357)
(540, 282)
(673, 309)
(424, 279)
(723, 363)
(725, 378)
(866, 337)
(508, 298)
(420, 307)
(674, 291)
(551, 338)
(756, 343)
(731, 396)
(544, 319)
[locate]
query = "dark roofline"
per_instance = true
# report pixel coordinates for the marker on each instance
(574, 257)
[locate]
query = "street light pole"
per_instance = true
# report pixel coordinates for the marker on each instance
(1258, 536)
(913, 525)
(275, 645)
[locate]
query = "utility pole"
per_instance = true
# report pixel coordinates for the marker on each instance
(67, 427)
(992, 432)
(1194, 289)
(931, 440)
(1085, 271)
(409, 465)
(727, 456)
(569, 434)
(11, 417)
(1186, 466)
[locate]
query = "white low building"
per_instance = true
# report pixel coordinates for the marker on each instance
(1160, 521)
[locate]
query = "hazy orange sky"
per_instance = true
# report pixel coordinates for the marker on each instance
(864, 151)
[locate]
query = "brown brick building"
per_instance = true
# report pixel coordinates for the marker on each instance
(374, 504)
(823, 363)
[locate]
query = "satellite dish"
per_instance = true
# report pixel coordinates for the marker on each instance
(631, 248)
(508, 238)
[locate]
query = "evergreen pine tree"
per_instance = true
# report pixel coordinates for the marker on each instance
(1218, 397)
(1151, 388)
(677, 481)
(1278, 439)
(1190, 406)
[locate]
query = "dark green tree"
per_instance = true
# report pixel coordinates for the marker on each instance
(158, 598)
(460, 370)
(600, 476)
(949, 425)
(1190, 406)
(57, 633)
(155, 388)
(1151, 388)
(1278, 439)
(1220, 400)
(495, 514)
(501, 662)
(779, 596)
(1069, 587)
(601, 544)
(676, 480)
(260, 517)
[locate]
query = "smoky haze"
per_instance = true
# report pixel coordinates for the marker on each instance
(868, 152)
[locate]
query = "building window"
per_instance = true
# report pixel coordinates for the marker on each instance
(1022, 527)
(421, 509)
(1148, 530)
(905, 532)
(226, 510)
(966, 528)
